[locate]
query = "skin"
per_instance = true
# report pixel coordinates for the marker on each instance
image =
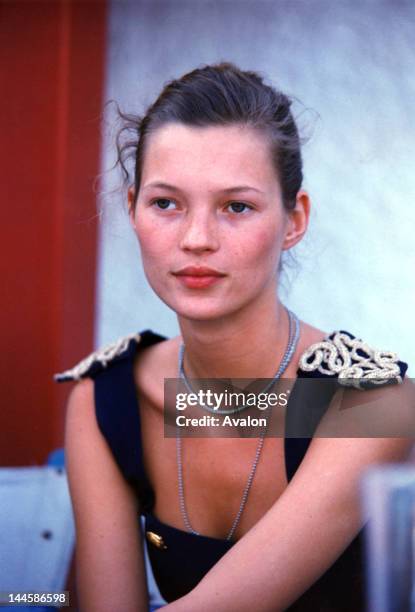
(200, 227)
(236, 328)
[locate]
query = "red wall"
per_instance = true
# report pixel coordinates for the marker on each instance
(51, 90)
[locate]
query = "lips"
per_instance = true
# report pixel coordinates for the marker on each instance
(197, 271)
(198, 277)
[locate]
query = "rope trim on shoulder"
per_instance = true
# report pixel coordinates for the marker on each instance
(101, 356)
(354, 362)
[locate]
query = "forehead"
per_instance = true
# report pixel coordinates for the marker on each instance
(214, 154)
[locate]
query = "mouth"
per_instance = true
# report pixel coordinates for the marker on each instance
(195, 277)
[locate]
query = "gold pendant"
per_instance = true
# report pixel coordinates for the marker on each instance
(155, 539)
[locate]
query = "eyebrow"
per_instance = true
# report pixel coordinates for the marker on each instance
(226, 190)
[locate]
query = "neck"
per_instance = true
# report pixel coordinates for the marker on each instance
(247, 344)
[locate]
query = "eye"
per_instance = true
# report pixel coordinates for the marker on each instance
(239, 207)
(163, 203)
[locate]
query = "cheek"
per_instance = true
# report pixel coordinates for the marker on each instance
(148, 234)
(259, 250)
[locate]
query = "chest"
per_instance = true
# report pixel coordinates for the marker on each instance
(215, 473)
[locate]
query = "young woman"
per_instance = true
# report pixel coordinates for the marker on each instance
(260, 523)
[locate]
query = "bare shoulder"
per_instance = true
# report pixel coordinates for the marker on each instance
(81, 426)
(310, 335)
(153, 364)
(81, 392)
(80, 406)
(161, 354)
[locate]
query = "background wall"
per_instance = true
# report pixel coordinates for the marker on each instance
(51, 78)
(352, 63)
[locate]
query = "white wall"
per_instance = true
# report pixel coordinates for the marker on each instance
(353, 63)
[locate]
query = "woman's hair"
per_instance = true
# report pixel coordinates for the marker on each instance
(219, 95)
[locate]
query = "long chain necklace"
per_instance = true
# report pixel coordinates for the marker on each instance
(293, 335)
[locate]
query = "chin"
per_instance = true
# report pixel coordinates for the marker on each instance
(201, 310)
(196, 308)
(198, 312)
(200, 316)
(203, 307)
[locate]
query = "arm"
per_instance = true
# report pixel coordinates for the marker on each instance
(303, 533)
(109, 558)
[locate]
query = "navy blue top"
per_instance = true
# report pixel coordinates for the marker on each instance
(188, 557)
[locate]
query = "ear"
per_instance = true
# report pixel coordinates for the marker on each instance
(298, 219)
(131, 205)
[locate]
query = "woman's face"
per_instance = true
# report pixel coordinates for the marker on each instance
(209, 219)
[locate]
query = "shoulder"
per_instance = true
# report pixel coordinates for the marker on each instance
(385, 409)
(370, 418)
(80, 406)
(121, 349)
(353, 361)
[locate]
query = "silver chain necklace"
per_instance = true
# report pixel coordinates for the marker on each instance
(293, 323)
(293, 335)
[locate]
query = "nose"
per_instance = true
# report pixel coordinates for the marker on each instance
(200, 232)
